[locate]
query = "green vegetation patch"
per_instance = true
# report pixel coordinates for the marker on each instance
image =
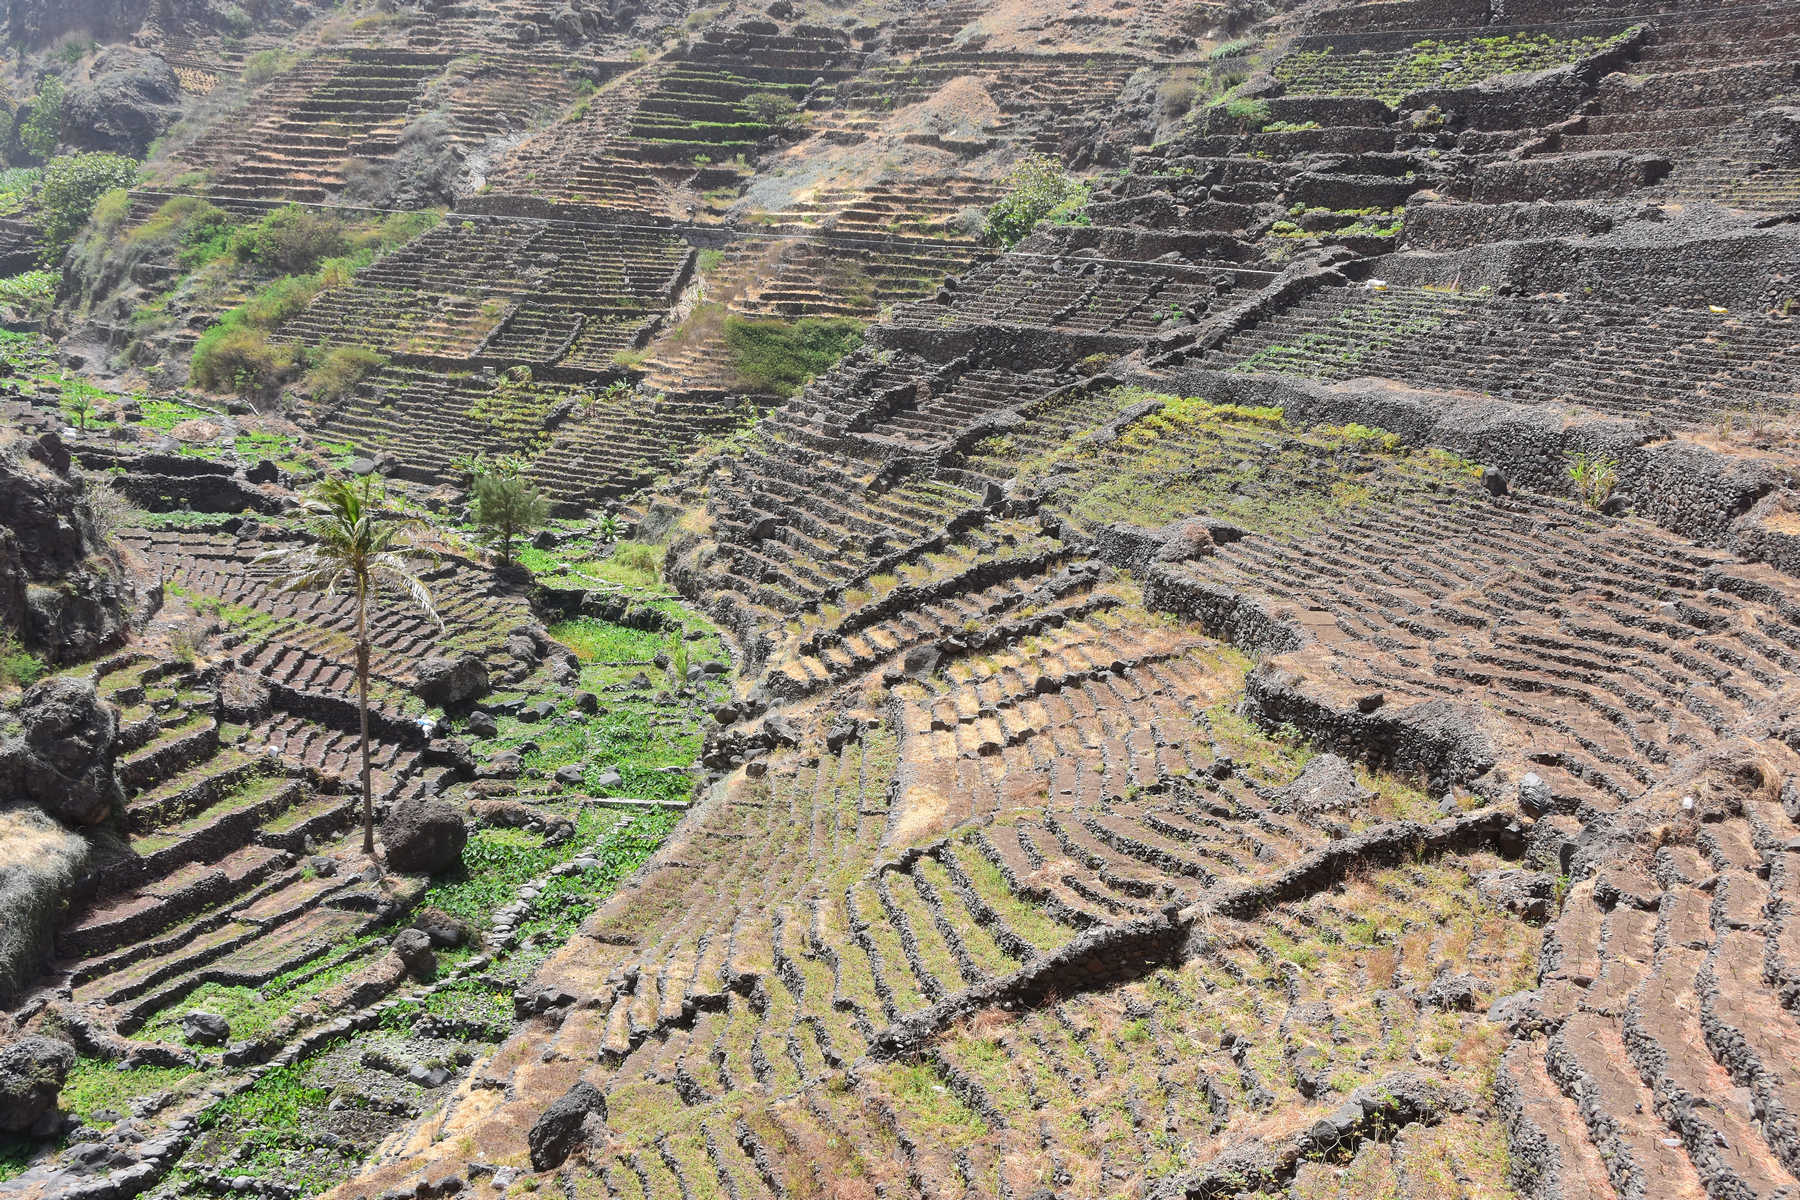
(96, 1089)
(309, 253)
(1430, 64)
(252, 1011)
(778, 358)
(1338, 347)
(1038, 191)
(269, 1129)
(16, 1154)
(1242, 465)
(68, 191)
(29, 294)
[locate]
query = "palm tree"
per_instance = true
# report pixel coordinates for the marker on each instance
(350, 549)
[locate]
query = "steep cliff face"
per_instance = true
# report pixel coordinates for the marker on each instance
(61, 589)
(34, 24)
(31, 24)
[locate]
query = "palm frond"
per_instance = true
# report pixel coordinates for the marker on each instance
(395, 572)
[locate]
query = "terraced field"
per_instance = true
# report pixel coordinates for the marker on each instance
(1135, 600)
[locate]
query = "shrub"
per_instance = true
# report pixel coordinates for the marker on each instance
(42, 127)
(71, 189)
(291, 241)
(506, 502)
(777, 110)
(235, 356)
(1038, 190)
(278, 301)
(1252, 114)
(776, 358)
(264, 65)
(1595, 476)
(339, 370)
(341, 272)
(19, 667)
(110, 210)
(1373, 438)
(1177, 94)
(204, 230)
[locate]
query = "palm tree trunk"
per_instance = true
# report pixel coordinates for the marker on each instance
(362, 697)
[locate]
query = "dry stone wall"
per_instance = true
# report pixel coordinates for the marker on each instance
(1281, 684)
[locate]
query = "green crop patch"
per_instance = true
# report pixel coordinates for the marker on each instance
(101, 1093)
(1431, 63)
(778, 358)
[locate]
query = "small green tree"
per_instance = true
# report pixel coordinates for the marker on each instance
(41, 129)
(353, 547)
(71, 186)
(1037, 190)
(78, 402)
(506, 505)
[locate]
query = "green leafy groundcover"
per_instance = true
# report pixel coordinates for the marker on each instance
(776, 358)
(272, 1131)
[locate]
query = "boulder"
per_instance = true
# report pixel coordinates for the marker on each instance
(1529, 894)
(1186, 540)
(843, 730)
(129, 98)
(413, 946)
(62, 752)
(448, 682)
(570, 776)
(205, 1028)
(609, 778)
(423, 836)
(1452, 993)
(443, 929)
(32, 1073)
(515, 814)
(558, 1131)
(481, 724)
(1535, 797)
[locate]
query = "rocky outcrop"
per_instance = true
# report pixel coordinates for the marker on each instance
(128, 99)
(61, 588)
(59, 753)
(32, 1072)
(34, 23)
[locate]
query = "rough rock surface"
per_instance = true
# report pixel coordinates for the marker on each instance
(448, 682)
(1326, 784)
(129, 98)
(558, 1131)
(423, 836)
(58, 752)
(60, 587)
(32, 1071)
